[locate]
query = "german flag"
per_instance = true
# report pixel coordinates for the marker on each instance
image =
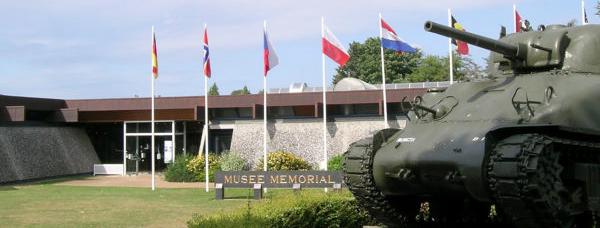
(461, 47)
(154, 56)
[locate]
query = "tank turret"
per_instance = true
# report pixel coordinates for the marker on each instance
(553, 47)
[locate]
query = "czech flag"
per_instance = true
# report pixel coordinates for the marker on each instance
(333, 48)
(390, 40)
(461, 46)
(270, 57)
(154, 56)
(206, 64)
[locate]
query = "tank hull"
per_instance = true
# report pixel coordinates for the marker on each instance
(474, 142)
(447, 156)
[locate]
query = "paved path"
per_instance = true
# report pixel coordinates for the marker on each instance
(141, 180)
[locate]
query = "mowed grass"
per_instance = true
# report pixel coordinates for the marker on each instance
(50, 205)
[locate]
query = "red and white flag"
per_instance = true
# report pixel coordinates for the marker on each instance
(521, 25)
(333, 48)
(518, 22)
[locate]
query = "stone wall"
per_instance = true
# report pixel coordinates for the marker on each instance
(304, 137)
(38, 151)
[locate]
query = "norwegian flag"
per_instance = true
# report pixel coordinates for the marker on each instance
(206, 52)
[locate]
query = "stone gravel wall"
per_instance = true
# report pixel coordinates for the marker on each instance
(39, 151)
(304, 137)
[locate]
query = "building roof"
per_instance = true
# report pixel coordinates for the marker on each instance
(13, 108)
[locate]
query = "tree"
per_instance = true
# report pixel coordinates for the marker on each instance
(431, 68)
(243, 91)
(471, 70)
(365, 63)
(214, 90)
(435, 68)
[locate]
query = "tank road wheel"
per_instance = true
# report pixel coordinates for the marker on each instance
(358, 176)
(524, 173)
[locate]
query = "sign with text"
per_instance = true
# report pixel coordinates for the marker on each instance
(168, 151)
(278, 179)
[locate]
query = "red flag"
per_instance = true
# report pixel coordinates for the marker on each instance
(518, 22)
(461, 46)
(333, 48)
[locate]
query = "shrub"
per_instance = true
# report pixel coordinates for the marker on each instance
(335, 163)
(226, 220)
(178, 172)
(311, 208)
(196, 166)
(334, 212)
(191, 169)
(231, 161)
(281, 160)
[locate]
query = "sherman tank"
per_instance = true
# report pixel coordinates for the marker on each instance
(525, 141)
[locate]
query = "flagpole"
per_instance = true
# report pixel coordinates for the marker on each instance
(450, 48)
(583, 12)
(206, 132)
(515, 18)
(385, 115)
(265, 123)
(206, 125)
(265, 108)
(324, 166)
(152, 125)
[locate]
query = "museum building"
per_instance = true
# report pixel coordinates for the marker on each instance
(41, 137)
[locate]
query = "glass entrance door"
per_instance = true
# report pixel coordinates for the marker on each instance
(137, 145)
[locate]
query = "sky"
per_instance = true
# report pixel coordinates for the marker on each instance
(73, 49)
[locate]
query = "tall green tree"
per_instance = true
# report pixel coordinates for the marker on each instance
(243, 91)
(365, 63)
(435, 68)
(471, 70)
(214, 90)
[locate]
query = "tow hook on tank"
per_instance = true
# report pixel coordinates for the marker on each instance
(402, 174)
(455, 177)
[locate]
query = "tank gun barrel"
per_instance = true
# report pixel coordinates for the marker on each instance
(508, 50)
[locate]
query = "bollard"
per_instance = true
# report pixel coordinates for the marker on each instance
(297, 188)
(258, 191)
(219, 191)
(337, 187)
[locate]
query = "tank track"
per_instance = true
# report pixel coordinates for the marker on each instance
(524, 176)
(358, 176)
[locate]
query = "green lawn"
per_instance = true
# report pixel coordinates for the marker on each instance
(50, 205)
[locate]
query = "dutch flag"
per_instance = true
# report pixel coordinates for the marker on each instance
(390, 40)
(269, 55)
